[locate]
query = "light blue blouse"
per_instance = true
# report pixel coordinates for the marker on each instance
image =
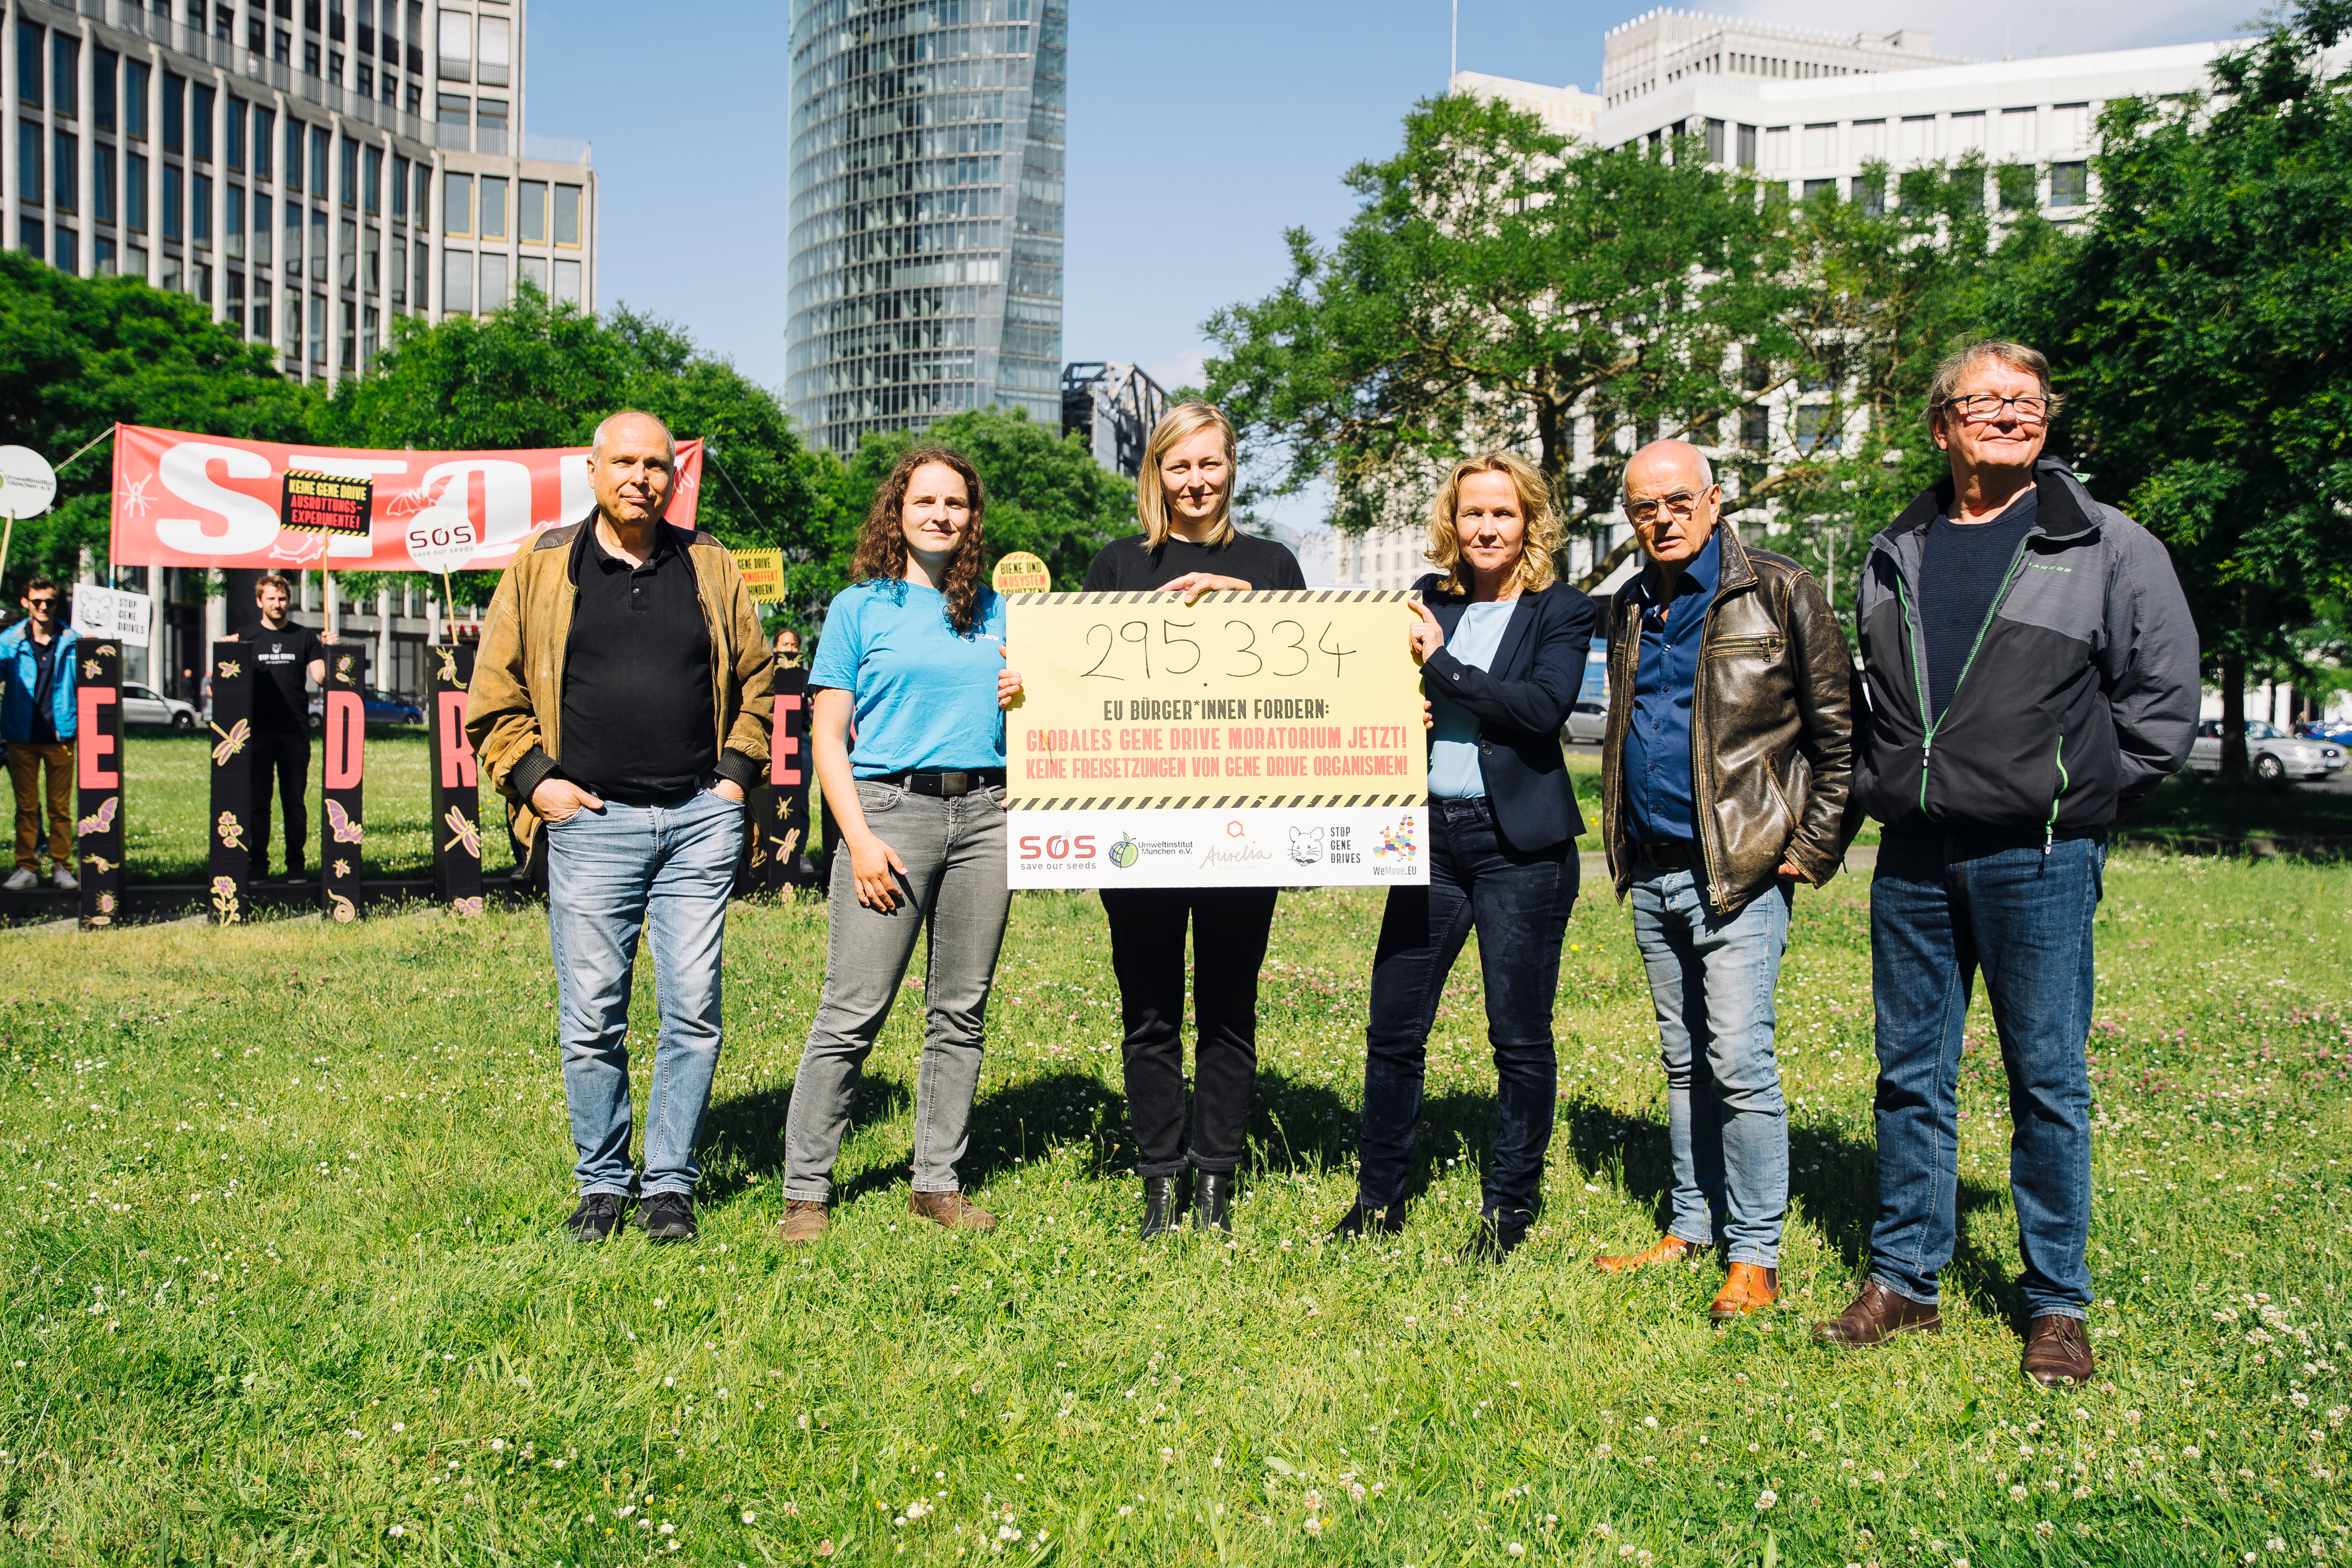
(1453, 753)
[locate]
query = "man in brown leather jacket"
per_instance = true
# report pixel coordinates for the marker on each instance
(1725, 777)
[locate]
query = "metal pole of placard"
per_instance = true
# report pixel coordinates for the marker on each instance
(456, 797)
(231, 865)
(97, 779)
(341, 875)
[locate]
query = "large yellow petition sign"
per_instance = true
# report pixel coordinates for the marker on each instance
(1293, 718)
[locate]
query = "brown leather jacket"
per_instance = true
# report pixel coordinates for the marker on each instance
(1772, 728)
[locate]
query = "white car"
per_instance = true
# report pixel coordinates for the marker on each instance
(1587, 721)
(2271, 752)
(140, 706)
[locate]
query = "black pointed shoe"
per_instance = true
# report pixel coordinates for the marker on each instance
(1388, 1221)
(1496, 1237)
(1163, 1206)
(1212, 1201)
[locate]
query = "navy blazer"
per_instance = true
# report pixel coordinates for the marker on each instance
(1520, 701)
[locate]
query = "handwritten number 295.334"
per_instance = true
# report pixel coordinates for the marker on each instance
(1126, 649)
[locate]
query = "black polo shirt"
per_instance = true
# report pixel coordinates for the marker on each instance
(639, 727)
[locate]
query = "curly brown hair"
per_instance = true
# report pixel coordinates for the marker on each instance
(882, 548)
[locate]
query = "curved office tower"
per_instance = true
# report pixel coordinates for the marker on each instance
(926, 188)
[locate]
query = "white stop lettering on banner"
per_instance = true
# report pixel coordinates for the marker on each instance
(442, 539)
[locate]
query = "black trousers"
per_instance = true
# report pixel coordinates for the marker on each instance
(288, 756)
(1230, 925)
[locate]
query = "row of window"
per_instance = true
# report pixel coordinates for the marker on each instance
(2018, 184)
(476, 206)
(1909, 140)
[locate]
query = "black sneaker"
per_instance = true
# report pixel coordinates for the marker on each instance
(666, 1217)
(1496, 1237)
(598, 1215)
(296, 874)
(1388, 1221)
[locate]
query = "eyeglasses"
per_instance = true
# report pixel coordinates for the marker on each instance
(42, 604)
(1983, 408)
(1678, 506)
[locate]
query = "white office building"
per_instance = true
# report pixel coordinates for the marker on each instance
(308, 169)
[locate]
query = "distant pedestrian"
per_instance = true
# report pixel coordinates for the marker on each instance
(2031, 669)
(914, 655)
(1501, 643)
(283, 651)
(788, 649)
(620, 705)
(37, 714)
(1731, 685)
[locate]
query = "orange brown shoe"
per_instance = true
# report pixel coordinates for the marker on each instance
(950, 1211)
(804, 1220)
(2057, 1353)
(1875, 1316)
(1746, 1288)
(1667, 1249)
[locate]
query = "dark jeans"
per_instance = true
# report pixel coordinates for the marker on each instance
(1519, 906)
(1944, 904)
(1147, 953)
(289, 756)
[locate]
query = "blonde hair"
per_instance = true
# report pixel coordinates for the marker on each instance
(1183, 421)
(1536, 569)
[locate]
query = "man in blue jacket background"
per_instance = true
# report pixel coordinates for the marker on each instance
(36, 718)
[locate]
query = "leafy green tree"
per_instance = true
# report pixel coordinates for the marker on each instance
(79, 355)
(1046, 494)
(1497, 285)
(537, 375)
(2200, 329)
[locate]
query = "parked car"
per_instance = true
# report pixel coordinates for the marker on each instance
(140, 706)
(1589, 719)
(382, 707)
(2271, 752)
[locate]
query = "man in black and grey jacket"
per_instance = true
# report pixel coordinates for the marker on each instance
(2032, 673)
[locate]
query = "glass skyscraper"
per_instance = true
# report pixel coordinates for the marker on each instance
(926, 188)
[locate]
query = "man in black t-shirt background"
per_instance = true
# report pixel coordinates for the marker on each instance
(283, 653)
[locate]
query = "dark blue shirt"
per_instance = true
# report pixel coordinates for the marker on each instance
(1659, 805)
(1960, 574)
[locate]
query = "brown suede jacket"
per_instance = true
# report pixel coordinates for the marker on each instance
(1772, 728)
(514, 708)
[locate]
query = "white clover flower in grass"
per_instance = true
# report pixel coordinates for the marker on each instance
(750, 1517)
(1767, 1498)
(2018, 1492)
(2275, 1545)
(1167, 1456)
(1515, 1550)
(1314, 1522)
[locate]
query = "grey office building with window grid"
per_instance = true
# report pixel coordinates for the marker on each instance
(926, 199)
(308, 169)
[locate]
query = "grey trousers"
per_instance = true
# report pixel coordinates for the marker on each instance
(954, 890)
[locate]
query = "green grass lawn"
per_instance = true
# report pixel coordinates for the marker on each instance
(270, 1302)
(167, 809)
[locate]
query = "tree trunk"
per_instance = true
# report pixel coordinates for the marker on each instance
(2233, 716)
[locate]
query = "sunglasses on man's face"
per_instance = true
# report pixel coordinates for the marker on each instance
(42, 604)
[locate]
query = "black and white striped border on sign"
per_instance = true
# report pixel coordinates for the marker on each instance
(1204, 802)
(1288, 595)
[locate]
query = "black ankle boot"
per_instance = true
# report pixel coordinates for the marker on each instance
(1388, 1221)
(1212, 1201)
(1497, 1237)
(1163, 1206)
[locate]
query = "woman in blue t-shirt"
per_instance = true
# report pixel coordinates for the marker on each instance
(1502, 649)
(912, 663)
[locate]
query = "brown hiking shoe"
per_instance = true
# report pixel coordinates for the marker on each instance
(1746, 1288)
(950, 1211)
(804, 1220)
(1875, 1315)
(1667, 1249)
(2057, 1352)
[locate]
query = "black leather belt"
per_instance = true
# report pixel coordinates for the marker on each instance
(949, 784)
(1678, 856)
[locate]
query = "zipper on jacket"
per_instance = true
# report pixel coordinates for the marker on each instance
(2049, 828)
(1919, 659)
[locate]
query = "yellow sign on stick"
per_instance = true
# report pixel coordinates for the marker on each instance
(1254, 739)
(1021, 572)
(764, 573)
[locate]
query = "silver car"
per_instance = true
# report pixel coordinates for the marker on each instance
(2271, 752)
(144, 706)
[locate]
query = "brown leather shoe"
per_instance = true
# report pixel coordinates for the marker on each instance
(951, 1210)
(804, 1220)
(1876, 1314)
(1746, 1288)
(1666, 1250)
(2057, 1352)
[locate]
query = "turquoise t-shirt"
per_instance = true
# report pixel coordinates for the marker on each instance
(925, 694)
(1453, 751)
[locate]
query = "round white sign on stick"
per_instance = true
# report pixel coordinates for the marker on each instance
(27, 483)
(442, 539)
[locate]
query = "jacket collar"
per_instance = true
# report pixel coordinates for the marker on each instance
(669, 535)
(2063, 508)
(1731, 568)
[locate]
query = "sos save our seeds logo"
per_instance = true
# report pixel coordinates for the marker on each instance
(1059, 849)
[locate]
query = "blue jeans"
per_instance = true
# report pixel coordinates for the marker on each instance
(1520, 904)
(610, 873)
(1712, 980)
(1945, 904)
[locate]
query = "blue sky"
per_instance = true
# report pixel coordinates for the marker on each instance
(1198, 133)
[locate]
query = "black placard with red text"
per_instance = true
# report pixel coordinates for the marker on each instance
(456, 797)
(344, 734)
(98, 780)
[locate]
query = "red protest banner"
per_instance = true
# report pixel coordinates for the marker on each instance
(183, 499)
